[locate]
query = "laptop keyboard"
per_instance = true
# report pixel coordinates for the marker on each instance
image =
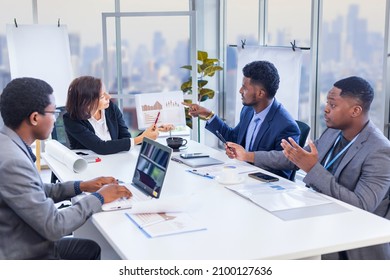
(123, 203)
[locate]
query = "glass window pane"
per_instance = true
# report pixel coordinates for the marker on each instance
(153, 5)
(151, 58)
(289, 21)
(84, 22)
(352, 44)
(10, 10)
(242, 21)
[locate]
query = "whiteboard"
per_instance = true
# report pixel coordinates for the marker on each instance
(287, 62)
(42, 52)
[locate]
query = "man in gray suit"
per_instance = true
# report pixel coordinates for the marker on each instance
(31, 226)
(350, 161)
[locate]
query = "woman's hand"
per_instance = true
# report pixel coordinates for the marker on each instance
(151, 132)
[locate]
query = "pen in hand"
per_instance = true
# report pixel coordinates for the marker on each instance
(219, 135)
(158, 115)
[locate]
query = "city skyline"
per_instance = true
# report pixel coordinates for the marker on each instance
(154, 65)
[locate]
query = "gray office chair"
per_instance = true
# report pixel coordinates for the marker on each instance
(58, 132)
(60, 135)
(305, 129)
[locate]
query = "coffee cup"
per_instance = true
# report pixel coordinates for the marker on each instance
(229, 175)
(176, 142)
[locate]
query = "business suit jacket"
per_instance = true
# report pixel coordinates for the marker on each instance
(362, 178)
(277, 125)
(30, 222)
(82, 135)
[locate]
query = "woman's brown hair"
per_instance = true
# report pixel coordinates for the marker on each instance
(83, 97)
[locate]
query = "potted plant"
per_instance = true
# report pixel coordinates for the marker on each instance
(207, 67)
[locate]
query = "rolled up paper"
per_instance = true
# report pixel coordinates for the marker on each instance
(66, 156)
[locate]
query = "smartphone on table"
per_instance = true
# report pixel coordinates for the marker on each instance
(193, 155)
(263, 177)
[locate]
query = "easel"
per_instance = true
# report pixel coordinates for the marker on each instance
(47, 57)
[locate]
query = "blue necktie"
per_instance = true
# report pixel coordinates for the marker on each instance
(251, 133)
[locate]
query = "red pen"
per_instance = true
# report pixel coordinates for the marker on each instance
(158, 115)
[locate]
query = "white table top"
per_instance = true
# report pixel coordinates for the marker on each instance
(236, 227)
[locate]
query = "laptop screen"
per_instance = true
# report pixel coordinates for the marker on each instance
(151, 167)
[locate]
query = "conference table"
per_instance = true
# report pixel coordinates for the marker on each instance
(236, 228)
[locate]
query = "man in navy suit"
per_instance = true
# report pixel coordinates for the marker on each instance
(264, 122)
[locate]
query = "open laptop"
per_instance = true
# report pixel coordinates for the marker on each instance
(149, 175)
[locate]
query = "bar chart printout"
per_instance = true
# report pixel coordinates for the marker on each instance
(169, 104)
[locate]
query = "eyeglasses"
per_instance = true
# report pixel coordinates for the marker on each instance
(55, 113)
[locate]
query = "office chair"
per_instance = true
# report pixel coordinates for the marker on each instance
(305, 129)
(59, 134)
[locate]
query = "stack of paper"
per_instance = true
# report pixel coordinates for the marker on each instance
(161, 224)
(275, 197)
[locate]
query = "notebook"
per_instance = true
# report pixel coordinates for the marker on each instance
(197, 162)
(149, 175)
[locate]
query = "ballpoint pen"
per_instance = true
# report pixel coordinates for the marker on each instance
(158, 115)
(207, 175)
(219, 135)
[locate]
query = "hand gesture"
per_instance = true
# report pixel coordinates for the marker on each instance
(236, 151)
(300, 157)
(95, 184)
(151, 132)
(196, 110)
(112, 192)
(166, 127)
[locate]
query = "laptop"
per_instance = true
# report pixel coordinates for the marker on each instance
(149, 175)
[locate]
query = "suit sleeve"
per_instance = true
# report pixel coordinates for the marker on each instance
(273, 160)
(27, 197)
(372, 180)
(230, 134)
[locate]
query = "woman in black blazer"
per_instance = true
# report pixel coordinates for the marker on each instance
(95, 123)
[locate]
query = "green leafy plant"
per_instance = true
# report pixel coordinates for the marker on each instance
(207, 67)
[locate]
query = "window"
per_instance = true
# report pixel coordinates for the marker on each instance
(352, 44)
(289, 21)
(9, 12)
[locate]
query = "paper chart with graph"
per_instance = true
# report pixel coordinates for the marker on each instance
(169, 104)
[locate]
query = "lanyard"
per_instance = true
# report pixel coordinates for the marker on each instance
(327, 164)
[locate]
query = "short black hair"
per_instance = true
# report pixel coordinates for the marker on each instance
(357, 88)
(263, 73)
(21, 97)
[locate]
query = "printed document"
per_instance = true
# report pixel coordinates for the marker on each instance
(161, 224)
(273, 197)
